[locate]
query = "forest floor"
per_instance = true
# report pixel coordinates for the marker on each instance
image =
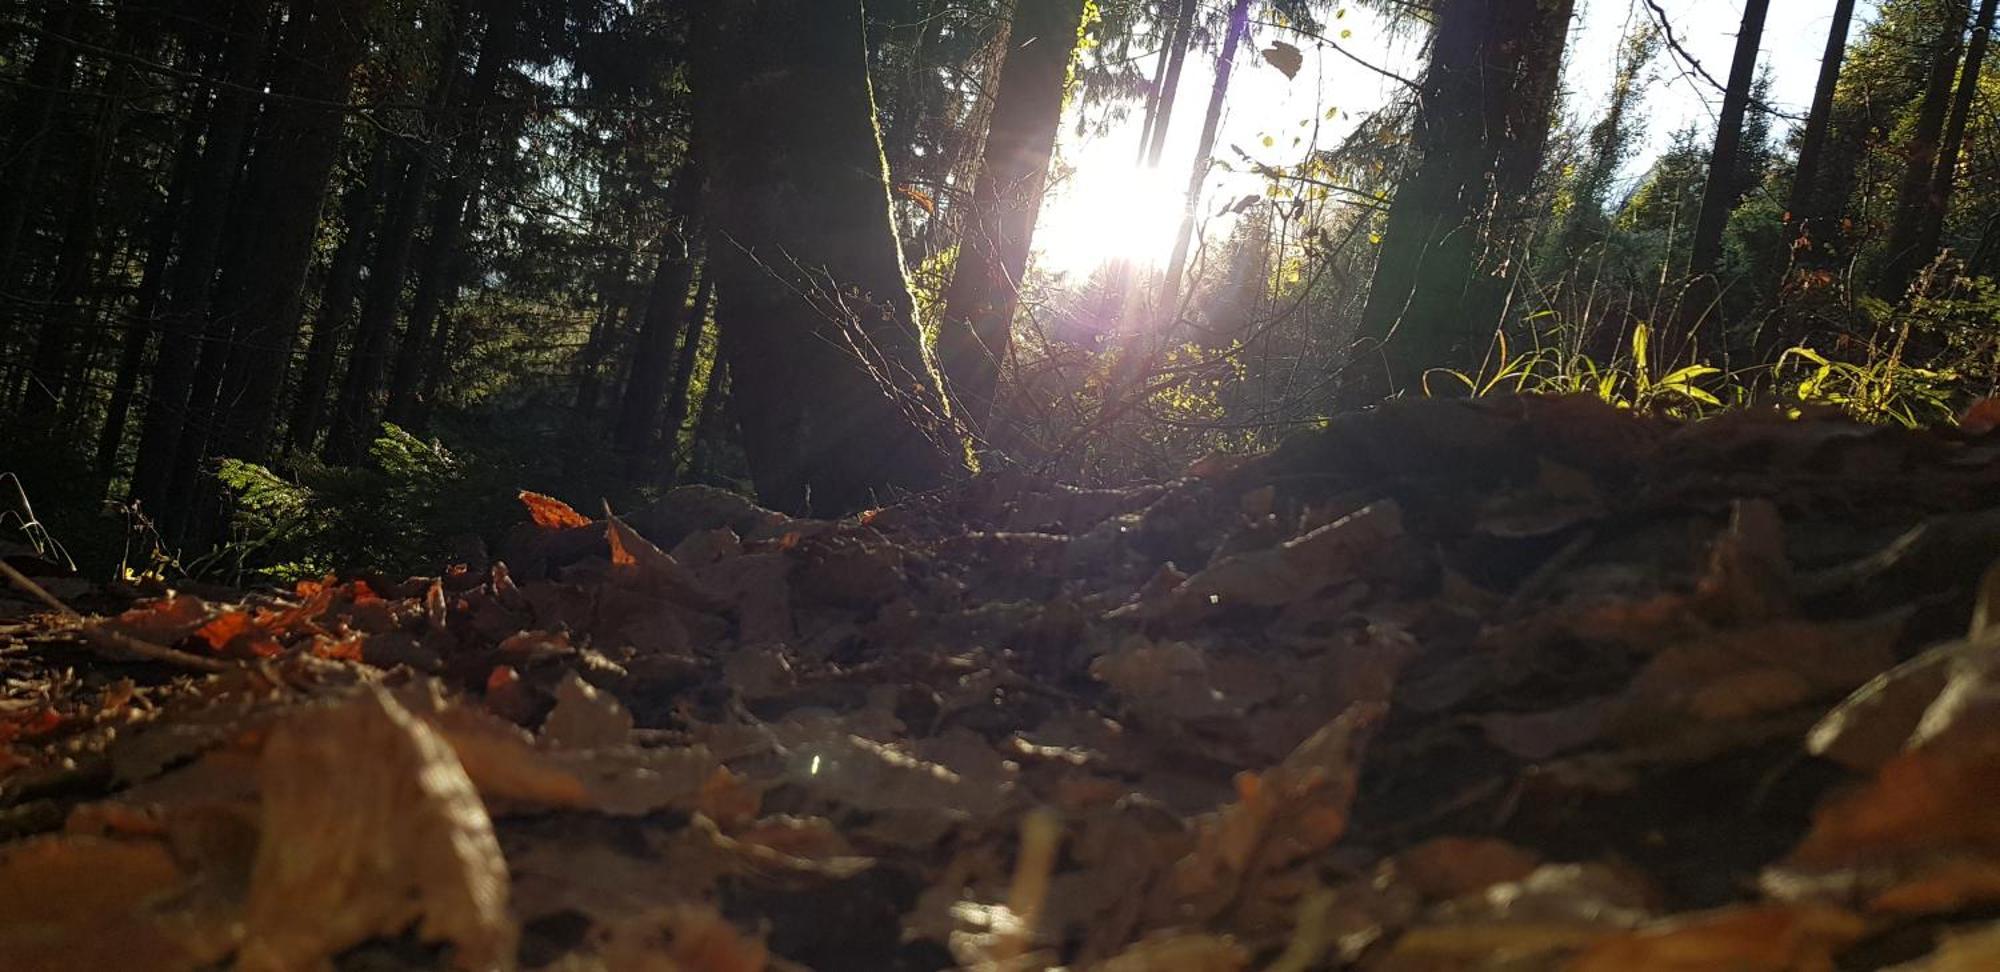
(1509, 684)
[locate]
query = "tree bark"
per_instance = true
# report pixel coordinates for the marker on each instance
(677, 393)
(665, 309)
(1808, 208)
(139, 330)
(1905, 256)
(1481, 128)
(299, 144)
(976, 330)
(467, 158)
(1719, 197)
(335, 315)
(838, 403)
(63, 332)
(1160, 105)
(708, 418)
(201, 239)
(1170, 288)
(45, 83)
(1944, 177)
(353, 422)
(354, 414)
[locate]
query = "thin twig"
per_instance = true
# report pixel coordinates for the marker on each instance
(106, 639)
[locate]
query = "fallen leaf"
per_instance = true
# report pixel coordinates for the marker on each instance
(1747, 938)
(586, 717)
(1179, 953)
(550, 513)
(1450, 867)
(1295, 809)
(403, 839)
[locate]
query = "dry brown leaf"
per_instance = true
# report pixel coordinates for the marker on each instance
(550, 513)
(586, 717)
(1973, 951)
(1742, 673)
(1352, 546)
(83, 902)
(402, 840)
(1748, 938)
(1449, 867)
(1920, 837)
(684, 938)
(636, 562)
(1292, 810)
(1179, 953)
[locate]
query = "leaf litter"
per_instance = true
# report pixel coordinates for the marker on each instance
(1512, 684)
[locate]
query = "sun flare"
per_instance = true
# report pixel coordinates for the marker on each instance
(1108, 209)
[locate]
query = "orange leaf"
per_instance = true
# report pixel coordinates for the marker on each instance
(918, 196)
(550, 513)
(224, 628)
(1982, 417)
(1760, 938)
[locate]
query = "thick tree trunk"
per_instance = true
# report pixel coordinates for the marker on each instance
(1809, 210)
(467, 162)
(1482, 125)
(1905, 255)
(976, 330)
(201, 240)
(1719, 196)
(1170, 288)
(838, 404)
(335, 314)
(677, 393)
(299, 144)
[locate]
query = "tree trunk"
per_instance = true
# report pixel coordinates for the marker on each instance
(1905, 255)
(1160, 105)
(665, 309)
(145, 321)
(447, 331)
(336, 304)
(708, 419)
(977, 327)
(201, 239)
(1944, 177)
(677, 394)
(1170, 288)
(1481, 127)
(354, 415)
(1719, 197)
(299, 144)
(466, 160)
(838, 404)
(69, 315)
(590, 363)
(353, 422)
(1809, 210)
(45, 83)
